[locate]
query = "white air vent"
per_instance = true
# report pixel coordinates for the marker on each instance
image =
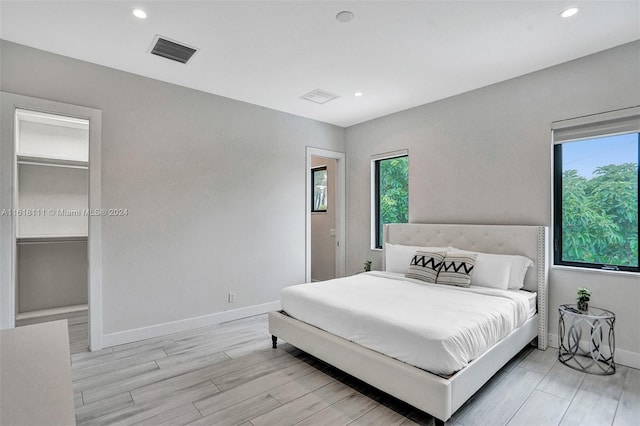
(171, 49)
(319, 96)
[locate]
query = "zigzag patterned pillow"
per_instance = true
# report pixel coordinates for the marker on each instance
(425, 265)
(456, 269)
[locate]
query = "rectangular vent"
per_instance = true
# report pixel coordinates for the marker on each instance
(319, 96)
(175, 51)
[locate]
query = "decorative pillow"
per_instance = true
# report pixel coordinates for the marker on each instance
(397, 256)
(456, 269)
(502, 271)
(424, 265)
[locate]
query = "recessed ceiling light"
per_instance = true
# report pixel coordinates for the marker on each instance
(344, 16)
(567, 13)
(358, 94)
(139, 13)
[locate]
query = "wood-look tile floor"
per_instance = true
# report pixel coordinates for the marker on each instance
(228, 374)
(77, 323)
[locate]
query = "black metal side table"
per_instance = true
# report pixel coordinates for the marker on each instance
(594, 354)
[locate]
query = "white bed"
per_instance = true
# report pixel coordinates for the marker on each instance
(438, 328)
(380, 358)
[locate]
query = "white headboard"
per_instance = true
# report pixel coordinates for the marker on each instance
(529, 241)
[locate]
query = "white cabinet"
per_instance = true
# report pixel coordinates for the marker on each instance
(51, 210)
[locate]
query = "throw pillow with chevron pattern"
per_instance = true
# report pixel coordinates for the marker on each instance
(456, 269)
(425, 265)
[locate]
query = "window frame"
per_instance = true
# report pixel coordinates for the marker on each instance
(376, 237)
(313, 187)
(573, 131)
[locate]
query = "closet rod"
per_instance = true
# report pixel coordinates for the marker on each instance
(66, 166)
(52, 240)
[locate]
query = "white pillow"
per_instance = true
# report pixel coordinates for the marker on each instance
(500, 270)
(519, 266)
(491, 271)
(398, 257)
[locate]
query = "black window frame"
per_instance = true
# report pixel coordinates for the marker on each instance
(557, 213)
(378, 238)
(313, 187)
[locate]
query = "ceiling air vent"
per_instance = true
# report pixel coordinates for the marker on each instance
(319, 96)
(173, 50)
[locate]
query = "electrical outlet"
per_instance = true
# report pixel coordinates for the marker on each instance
(232, 298)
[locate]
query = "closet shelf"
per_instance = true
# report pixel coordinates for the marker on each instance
(51, 238)
(40, 160)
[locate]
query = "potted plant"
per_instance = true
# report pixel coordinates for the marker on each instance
(367, 266)
(584, 295)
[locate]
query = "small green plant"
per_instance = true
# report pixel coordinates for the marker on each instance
(367, 265)
(584, 296)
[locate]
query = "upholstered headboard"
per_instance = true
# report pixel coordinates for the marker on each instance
(529, 241)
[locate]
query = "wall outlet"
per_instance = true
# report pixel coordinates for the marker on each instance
(232, 298)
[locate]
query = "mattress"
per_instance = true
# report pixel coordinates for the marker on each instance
(435, 327)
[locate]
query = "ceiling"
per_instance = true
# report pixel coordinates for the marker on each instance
(399, 54)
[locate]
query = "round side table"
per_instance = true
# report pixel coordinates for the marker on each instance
(594, 354)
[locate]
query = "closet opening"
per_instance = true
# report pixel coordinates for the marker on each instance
(51, 221)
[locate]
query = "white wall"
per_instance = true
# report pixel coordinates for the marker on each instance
(485, 157)
(215, 190)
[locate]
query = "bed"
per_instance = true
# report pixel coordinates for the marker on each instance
(436, 389)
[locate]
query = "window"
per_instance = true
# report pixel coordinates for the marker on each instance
(319, 189)
(596, 194)
(390, 200)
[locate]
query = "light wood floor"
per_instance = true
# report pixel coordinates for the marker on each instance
(229, 375)
(77, 323)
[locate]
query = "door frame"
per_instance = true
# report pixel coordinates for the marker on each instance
(341, 212)
(9, 102)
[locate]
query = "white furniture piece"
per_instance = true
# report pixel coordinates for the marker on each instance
(35, 375)
(435, 395)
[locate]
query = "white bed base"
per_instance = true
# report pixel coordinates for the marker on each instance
(433, 394)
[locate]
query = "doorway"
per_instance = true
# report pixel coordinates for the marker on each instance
(51, 193)
(325, 214)
(323, 218)
(49, 238)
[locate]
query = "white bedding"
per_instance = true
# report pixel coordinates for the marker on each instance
(434, 327)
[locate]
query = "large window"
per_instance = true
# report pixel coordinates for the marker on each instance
(390, 181)
(596, 195)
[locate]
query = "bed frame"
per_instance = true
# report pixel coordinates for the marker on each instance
(433, 394)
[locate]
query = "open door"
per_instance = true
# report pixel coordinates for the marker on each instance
(325, 214)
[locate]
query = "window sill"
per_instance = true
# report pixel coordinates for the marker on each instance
(595, 271)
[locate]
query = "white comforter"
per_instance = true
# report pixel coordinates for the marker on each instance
(435, 327)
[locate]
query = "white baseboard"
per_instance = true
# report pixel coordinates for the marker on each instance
(50, 311)
(622, 357)
(158, 330)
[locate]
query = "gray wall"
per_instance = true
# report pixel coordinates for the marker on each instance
(51, 275)
(215, 189)
(485, 157)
